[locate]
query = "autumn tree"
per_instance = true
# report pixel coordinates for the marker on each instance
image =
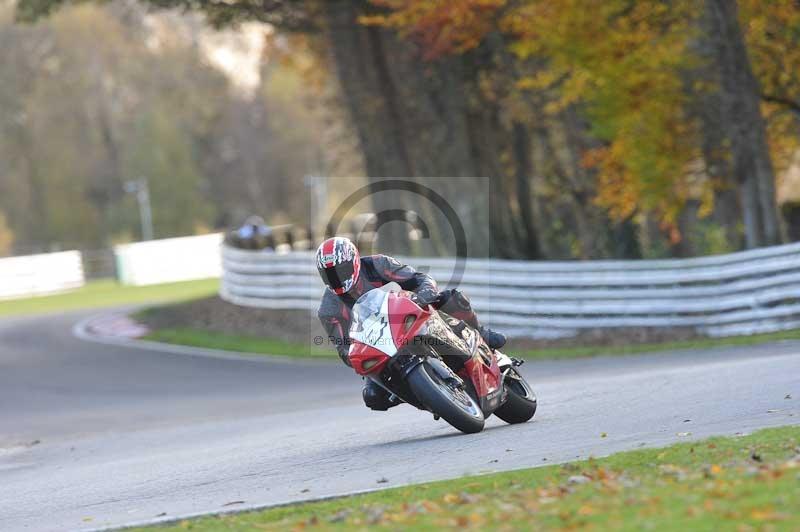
(78, 120)
(608, 128)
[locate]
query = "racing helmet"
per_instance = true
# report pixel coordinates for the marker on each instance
(339, 264)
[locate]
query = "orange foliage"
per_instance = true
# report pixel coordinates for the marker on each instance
(442, 27)
(623, 64)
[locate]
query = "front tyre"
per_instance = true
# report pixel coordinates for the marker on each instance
(520, 403)
(445, 399)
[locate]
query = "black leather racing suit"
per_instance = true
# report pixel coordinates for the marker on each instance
(335, 311)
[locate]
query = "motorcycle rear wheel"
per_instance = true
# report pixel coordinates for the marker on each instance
(520, 405)
(455, 406)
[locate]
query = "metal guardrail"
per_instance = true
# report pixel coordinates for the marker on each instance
(737, 294)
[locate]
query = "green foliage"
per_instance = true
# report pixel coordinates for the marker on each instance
(76, 126)
(772, 30)
(710, 239)
(239, 343)
(625, 66)
(598, 112)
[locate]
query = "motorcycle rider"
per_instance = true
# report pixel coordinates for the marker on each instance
(348, 275)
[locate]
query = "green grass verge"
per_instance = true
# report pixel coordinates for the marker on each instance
(634, 349)
(738, 483)
(270, 346)
(108, 293)
(243, 344)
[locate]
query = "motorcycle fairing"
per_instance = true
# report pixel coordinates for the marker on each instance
(441, 335)
(386, 323)
(479, 366)
(486, 380)
(375, 337)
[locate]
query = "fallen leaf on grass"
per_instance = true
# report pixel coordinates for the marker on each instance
(766, 514)
(531, 506)
(398, 517)
(692, 511)
(375, 514)
(578, 479)
(466, 520)
(672, 470)
(431, 507)
(506, 507)
(604, 474)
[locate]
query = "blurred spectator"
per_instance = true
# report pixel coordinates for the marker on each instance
(253, 234)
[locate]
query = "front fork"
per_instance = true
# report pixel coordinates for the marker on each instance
(409, 363)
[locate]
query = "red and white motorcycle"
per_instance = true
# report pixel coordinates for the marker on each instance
(435, 362)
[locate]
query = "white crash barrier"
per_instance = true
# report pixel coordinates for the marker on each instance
(169, 260)
(33, 275)
(740, 293)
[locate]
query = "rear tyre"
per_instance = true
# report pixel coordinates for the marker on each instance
(520, 405)
(455, 405)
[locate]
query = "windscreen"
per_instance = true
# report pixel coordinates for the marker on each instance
(368, 306)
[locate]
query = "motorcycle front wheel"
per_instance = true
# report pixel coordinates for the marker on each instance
(520, 405)
(445, 399)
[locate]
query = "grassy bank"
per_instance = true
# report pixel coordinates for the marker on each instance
(242, 344)
(739, 483)
(634, 349)
(269, 346)
(108, 293)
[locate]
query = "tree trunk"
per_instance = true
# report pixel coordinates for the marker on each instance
(524, 173)
(707, 106)
(740, 99)
(360, 62)
(426, 121)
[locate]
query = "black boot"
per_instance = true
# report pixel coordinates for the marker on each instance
(377, 398)
(493, 339)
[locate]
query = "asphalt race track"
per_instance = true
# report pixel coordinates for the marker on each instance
(95, 435)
